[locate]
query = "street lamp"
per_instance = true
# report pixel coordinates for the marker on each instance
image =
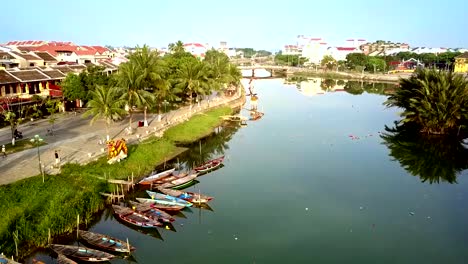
(38, 140)
(165, 103)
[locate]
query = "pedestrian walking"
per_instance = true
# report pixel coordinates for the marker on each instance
(57, 159)
(4, 151)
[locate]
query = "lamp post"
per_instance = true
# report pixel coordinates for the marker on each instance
(38, 140)
(165, 103)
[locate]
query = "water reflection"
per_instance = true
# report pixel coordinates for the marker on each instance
(319, 86)
(434, 159)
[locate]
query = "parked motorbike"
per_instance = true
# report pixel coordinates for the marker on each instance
(18, 134)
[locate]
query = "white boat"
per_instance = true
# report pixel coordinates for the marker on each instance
(153, 177)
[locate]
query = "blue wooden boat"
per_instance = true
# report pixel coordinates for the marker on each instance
(167, 199)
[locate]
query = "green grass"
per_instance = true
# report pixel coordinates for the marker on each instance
(32, 207)
(197, 127)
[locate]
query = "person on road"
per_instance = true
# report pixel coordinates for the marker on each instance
(4, 151)
(57, 159)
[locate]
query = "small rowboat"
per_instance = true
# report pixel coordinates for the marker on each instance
(188, 196)
(167, 199)
(209, 165)
(105, 242)
(165, 207)
(64, 260)
(151, 212)
(5, 260)
(128, 215)
(82, 253)
(180, 183)
(168, 178)
(150, 179)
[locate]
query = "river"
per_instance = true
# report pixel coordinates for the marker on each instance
(313, 181)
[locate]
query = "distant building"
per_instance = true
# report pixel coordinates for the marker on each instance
(461, 63)
(340, 53)
(314, 50)
(196, 49)
(291, 50)
(382, 46)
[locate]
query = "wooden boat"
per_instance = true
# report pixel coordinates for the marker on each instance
(128, 215)
(234, 118)
(168, 178)
(149, 180)
(5, 260)
(151, 212)
(255, 115)
(64, 260)
(165, 207)
(188, 196)
(210, 165)
(167, 199)
(105, 242)
(180, 183)
(82, 253)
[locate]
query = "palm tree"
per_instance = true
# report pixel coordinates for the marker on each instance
(193, 77)
(436, 101)
(177, 47)
(131, 79)
(106, 104)
(164, 93)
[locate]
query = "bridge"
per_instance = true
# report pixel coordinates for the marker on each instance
(272, 69)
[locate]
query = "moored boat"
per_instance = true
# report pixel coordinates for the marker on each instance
(128, 215)
(188, 196)
(180, 183)
(64, 260)
(5, 260)
(82, 253)
(165, 207)
(167, 199)
(105, 242)
(153, 177)
(151, 212)
(210, 165)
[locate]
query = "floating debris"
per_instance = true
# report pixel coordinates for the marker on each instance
(307, 209)
(361, 208)
(411, 213)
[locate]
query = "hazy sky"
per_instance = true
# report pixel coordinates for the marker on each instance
(259, 24)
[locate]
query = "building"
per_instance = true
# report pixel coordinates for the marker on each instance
(196, 49)
(461, 63)
(291, 50)
(382, 46)
(27, 59)
(340, 53)
(314, 50)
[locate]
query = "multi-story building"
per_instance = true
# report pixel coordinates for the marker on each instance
(382, 46)
(196, 49)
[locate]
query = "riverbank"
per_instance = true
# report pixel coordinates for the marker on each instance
(34, 209)
(368, 77)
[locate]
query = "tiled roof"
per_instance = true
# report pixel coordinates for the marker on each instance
(5, 77)
(26, 56)
(198, 45)
(29, 75)
(54, 74)
(45, 56)
(463, 56)
(77, 67)
(345, 48)
(63, 69)
(100, 49)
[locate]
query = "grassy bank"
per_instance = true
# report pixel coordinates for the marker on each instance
(31, 207)
(199, 126)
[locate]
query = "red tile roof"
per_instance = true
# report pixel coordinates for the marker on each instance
(194, 44)
(100, 49)
(345, 48)
(350, 40)
(361, 40)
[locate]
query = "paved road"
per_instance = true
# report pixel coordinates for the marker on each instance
(77, 141)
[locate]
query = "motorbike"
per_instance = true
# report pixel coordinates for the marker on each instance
(18, 134)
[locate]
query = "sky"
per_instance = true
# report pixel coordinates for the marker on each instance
(257, 24)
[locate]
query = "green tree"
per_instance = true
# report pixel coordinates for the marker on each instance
(72, 87)
(13, 120)
(375, 64)
(356, 59)
(177, 47)
(106, 104)
(193, 78)
(435, 101)
(328, 62)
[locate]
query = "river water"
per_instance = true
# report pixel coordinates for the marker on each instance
(313, 181)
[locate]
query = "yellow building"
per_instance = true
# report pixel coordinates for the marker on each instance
(461, 63)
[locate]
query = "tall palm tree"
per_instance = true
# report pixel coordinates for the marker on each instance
(193, 78)
(177, 47)
(131, 79)
(106, 104)
(164, 93)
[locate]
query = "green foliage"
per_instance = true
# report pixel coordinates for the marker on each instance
(197, 127)
(248, 52)
(72, 87)
(434, 159)
(291, 60)
(177, 47)
(375, 64)
(328, 62)
(435, 101)
(194, 78)
(355, 60)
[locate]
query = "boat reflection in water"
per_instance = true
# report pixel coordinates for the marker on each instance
(434, 159)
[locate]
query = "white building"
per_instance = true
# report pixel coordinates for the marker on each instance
(291, 50)
(340, 53)
(196, 49)
(314, 50)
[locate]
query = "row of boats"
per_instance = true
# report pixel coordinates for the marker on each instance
(165, 199)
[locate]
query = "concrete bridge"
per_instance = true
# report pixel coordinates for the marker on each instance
(260, 69)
